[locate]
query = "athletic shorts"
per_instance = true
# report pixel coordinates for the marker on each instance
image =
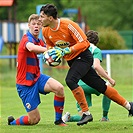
(30, 94)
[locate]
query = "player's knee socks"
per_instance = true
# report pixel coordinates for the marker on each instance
(75, 118)
(115, 96)
(80, 97)
(106, 103)
(105, 106)
(105, 114)
(23, 120)
(58, 105)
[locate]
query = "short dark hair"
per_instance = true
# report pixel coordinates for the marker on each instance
(92, 36)
(49, 10)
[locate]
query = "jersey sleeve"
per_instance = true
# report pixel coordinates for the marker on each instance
(79, 36)
(97, 54)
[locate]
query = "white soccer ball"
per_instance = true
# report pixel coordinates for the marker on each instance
(49, 61)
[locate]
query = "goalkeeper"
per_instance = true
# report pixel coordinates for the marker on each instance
(73, 45)
(92, 37)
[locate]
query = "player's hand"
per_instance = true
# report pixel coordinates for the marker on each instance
(65, 51)
(111, 82)
(55, 54)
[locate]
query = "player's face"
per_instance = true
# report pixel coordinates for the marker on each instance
(34, 27)
(46, 20)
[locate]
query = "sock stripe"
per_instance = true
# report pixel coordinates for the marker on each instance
(58, 109)
(17, 122)
(58, 106)
(57, 103)
(23, 120)
(60, 99)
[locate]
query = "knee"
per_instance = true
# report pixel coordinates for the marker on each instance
(71, 84)
(35, 120)
(60, 90)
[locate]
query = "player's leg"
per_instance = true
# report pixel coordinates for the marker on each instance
(105, 106)
(30, 98)
(76, 118)
(78, 68)
(54, 86)
(116, 97)
(67, 117)
(32, 118)
(105, 101)
(99, 84)
(87, 90)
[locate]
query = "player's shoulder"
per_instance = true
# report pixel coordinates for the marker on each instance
(24, 38)
(44, 29)
(28, 36)
(97, 50)
(94, 49)
(67, 21)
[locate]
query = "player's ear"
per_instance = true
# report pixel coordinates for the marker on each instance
(50, 18)
(29, 25)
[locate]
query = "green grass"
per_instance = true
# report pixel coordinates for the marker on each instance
(11, 104)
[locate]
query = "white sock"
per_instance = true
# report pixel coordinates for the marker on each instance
(87, 113)
(127, 106)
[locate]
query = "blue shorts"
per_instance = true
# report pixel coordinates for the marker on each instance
(30, 94)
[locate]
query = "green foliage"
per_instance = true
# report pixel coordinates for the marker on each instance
(115, 13)
(110, 39)
(95, 12)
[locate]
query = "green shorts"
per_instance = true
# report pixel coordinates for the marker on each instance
(88, 91)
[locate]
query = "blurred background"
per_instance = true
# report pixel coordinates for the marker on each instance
(113, 19)
(90, 14)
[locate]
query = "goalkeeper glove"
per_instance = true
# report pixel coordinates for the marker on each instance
(65, 51)
(54, 53)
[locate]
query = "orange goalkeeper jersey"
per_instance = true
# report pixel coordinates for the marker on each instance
(67, 34)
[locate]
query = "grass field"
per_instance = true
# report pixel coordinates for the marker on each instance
(122, 72)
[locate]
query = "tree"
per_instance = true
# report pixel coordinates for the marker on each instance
(115, 13)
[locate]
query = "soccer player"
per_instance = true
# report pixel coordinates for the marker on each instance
(30, 82)
(92, 37)
(70, 42)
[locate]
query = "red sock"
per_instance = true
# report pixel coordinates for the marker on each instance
(58, 105)
(23, 120)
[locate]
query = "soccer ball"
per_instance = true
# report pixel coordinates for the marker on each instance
(49, 61)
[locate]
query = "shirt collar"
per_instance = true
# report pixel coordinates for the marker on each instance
(29, 34)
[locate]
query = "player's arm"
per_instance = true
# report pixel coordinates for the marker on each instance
(99, 69)
(80, 39)
(78, 35)
(35, 48)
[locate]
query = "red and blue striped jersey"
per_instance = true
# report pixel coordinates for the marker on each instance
(28, 70)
